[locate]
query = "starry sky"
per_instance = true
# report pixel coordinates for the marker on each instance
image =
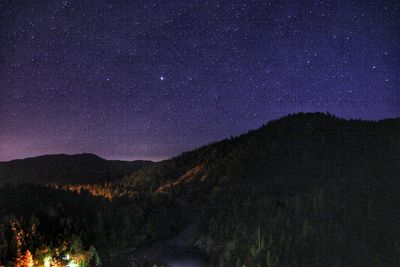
(149, 79)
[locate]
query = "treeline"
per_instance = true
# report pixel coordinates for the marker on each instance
(319, 227)
(47, 224)
(106, 190)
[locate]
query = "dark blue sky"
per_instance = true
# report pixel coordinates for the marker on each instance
(151, 79)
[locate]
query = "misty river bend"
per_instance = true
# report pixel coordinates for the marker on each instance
(167, 254)
(174, 252)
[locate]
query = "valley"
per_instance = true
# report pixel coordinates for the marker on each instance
(309, 189)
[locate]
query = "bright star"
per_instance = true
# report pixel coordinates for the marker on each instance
(162, 78)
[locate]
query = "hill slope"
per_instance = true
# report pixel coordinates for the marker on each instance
(284, 150)
(67, 169)
(304, 190)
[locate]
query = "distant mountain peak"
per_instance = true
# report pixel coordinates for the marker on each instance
(65, 168)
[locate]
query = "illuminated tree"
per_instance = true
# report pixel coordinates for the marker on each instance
(27, 259)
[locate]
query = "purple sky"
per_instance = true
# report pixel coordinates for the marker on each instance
(150, 79)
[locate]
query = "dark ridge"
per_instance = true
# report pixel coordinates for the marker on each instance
(67, 169)
(293, 137)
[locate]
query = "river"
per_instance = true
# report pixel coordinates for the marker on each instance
(174, 252)
(177, 251)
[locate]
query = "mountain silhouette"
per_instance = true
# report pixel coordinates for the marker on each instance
(296, 150)
(67, 169)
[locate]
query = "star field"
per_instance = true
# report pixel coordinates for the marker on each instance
(151, 79)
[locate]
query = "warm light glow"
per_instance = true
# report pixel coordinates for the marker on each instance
(47, 261)
(72, 264)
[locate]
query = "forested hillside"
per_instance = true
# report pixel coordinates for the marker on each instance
(62, 228)
(308, 190)
(304, 190)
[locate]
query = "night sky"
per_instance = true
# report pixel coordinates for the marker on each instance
(151, 79)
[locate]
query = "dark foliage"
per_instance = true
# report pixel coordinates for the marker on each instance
(62, 219)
